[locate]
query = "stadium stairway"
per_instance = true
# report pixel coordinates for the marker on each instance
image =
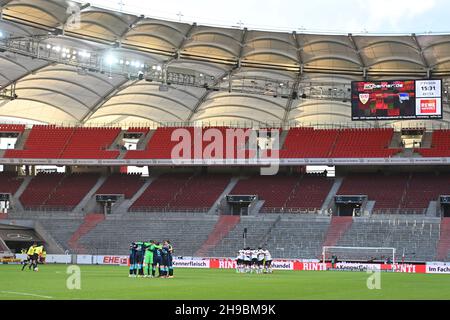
(338, 227)
(443, 246)
(86, 201)
(223, 226)
(23, 137)
(89, 223)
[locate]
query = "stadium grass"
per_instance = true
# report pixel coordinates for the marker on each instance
(112, 283)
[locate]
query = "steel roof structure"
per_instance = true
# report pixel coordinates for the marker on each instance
(253, 76)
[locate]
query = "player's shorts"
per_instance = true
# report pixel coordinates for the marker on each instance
(139, 257)
(247, 262)
(170, 261)
(35, 257)
(255, 261)
(165, 261)
(239, 261)
(157, 260)
(132, 259)
(148, 259)
(260, 262)
(268, 263)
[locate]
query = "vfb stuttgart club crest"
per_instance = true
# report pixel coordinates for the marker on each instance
(364, 98)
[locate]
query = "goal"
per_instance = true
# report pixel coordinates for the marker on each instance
(359, 254)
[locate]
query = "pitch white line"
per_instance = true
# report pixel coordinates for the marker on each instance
(26, 294)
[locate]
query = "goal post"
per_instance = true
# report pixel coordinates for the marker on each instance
(360, 254)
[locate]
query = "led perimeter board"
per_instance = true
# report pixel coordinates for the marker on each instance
(399, 99)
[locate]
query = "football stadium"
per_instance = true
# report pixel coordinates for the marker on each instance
(145, 158)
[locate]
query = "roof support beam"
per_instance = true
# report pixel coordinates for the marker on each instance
(294, 89)
(186, 37)
(422, 55)
(358, 52)
(130, 27)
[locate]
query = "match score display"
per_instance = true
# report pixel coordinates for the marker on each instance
(401, 99)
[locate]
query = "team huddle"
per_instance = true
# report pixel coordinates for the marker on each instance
(254, 261)
(146, 257)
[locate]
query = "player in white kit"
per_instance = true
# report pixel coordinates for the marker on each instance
(267, 261)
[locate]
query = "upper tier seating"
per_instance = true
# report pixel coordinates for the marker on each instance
(91, 143)
(161, 145)
(51, 142)
(12, 128)
(440, 145)
(308, 143)
(363, 143)
(120, 183)
(43, 142)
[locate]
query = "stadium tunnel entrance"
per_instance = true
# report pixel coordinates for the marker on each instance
(18, 238)
(445, 206)
(349, 206)
(240, 204)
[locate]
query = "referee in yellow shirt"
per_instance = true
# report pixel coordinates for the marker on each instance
(30, 254)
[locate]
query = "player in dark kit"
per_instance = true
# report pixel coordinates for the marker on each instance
(164, 260)
(133, 270)
(170, 261)
(140, 258)
(157, 259)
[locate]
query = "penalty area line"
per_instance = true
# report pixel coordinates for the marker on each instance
(26, 294)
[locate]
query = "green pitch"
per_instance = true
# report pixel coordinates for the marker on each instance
(104, 282)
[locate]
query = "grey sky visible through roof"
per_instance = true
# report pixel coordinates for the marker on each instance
(330, 16)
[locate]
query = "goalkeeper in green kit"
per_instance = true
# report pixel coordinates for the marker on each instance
(148, 258)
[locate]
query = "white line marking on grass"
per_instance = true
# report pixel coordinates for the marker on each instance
(27, 294)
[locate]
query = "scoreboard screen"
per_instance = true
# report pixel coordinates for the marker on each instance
(402, 99)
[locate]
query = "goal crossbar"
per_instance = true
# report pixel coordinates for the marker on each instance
(366, 251)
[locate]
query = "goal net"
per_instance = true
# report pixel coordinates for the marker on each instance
(359, 254)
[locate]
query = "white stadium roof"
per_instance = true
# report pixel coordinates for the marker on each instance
(251, 74)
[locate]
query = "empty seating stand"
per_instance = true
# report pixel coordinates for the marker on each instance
(423, 188)
(310, 193)
(72, 189)
(364, 143)
(161, 145)
(274, 190)
(12, 128)
(385, 190)
(440, 145)
(39, 189)
(308, 143)
(9, 182)
(56, 191)
(91, 143)
(52, 142)
(182, 192)
(120, 183)
(43, 142)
